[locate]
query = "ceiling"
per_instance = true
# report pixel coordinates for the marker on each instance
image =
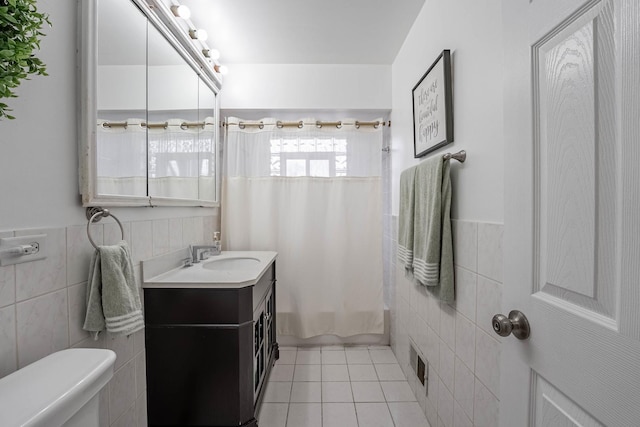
(305, 32)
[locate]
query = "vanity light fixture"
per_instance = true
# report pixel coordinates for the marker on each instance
(181, 11)
(198, 36)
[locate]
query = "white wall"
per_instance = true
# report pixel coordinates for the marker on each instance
(455, 339)
(471, 30)
(307, 86)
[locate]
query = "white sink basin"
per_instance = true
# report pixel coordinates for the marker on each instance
(231, 269)
(239, 263)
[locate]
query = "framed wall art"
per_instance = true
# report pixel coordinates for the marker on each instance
(432, 107)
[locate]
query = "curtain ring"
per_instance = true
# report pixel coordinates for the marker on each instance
(241, 125)
(300, 124)
(357, 124)
(261, 125)
(184, 126)
(279, 124)
(339, 125)
(319, 124)
(106, 125)
(376, 125)
(166, 125)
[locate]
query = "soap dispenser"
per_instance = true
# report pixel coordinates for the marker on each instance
(216, 242)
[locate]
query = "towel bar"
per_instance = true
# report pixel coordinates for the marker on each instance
(95, 214)
(460, 156)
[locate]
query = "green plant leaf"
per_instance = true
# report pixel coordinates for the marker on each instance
(20, 24)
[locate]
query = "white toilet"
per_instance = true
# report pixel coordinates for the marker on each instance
(58, 390)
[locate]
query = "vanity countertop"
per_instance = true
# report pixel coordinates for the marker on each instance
(167, 271)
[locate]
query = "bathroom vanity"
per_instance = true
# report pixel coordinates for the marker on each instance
(210, 339)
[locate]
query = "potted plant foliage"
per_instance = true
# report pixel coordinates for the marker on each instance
(20, 24)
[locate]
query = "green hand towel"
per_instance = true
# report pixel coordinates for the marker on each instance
(405, 218)
(432, 242)
(113, 300)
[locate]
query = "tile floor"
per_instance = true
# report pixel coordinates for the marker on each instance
(336, 386)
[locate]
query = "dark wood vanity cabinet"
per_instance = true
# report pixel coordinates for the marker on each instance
(209, 352)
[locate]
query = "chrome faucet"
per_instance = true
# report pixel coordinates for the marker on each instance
(202, 252)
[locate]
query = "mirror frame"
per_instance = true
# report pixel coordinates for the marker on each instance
(160, 16)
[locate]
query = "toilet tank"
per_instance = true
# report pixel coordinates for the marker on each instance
(58, 390)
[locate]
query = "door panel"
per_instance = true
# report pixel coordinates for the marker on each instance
(572, 212)
(576, 150)
(554, 409)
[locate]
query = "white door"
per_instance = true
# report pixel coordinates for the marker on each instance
(572, 215)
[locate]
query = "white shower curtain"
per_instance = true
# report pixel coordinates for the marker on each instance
(181, 159)
(314, 196)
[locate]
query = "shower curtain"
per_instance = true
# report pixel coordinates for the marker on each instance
(313, 195)
(162, 161)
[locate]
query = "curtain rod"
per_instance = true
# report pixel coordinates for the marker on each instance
(162, 125)
(300, 124)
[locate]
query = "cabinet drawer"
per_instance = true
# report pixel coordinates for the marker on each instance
(197, 306)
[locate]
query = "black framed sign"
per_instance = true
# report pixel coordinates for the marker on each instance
(432, 107)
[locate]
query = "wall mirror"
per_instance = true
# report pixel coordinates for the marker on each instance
(149, 109)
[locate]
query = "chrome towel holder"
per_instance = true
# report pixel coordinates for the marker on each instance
(460, 156)
(95, 214)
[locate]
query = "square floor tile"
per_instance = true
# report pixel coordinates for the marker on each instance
(337, 392)
(307, 373)
(306, 392)
(287, 357)
(273, 415)
(339, 415)
(288, 348)
(335, 373)
(362, 373)
(304, 415)
(397, 391)
(336, 357)
(383, 356)
(308, 357)
(368, 391)
(390, 372)
(373, 415)
(277, 392)
(358, 357)
(282, 373)
(408, 414)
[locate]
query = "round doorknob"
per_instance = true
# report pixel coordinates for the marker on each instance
(516, 324)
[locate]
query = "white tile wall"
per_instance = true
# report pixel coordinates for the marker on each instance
(42, 304)
(456, 339)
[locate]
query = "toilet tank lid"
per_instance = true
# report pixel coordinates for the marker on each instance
(49, 391)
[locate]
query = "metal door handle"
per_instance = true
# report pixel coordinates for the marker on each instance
(516, 323)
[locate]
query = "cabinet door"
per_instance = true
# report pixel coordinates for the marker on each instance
(269, 323)
(259, 361)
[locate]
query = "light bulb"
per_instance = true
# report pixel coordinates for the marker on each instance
(202, 35)
(223, 69)
(214, 54)
(181, 11)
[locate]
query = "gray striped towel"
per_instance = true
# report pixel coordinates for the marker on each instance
(405, 219)
(113, 299)
(432, 241)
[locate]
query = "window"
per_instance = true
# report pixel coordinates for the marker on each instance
(317, 157)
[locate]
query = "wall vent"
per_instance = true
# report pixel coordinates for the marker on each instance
(420, 367)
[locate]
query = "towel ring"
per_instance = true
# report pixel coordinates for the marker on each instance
(95, 215)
